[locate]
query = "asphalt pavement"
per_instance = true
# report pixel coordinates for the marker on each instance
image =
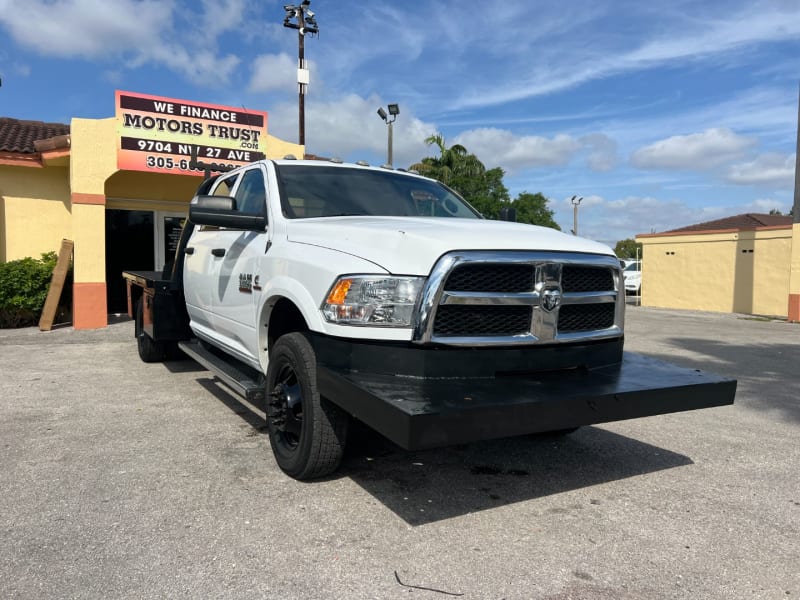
(121, 479)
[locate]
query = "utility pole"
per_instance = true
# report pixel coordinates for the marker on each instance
(575, 205)
(304, 23)
(394, 110)
(796, 204)
(794, 258)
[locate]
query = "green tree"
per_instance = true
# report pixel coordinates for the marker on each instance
(24, 284)
(462, 171)
(628, 248)
(452, 164)
(532, 209)
(487, 192)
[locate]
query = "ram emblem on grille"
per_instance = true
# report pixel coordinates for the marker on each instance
(551, 299)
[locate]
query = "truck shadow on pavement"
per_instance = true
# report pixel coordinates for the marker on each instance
(432, 485)
(766, 371)
(252, 414)
(425, 487)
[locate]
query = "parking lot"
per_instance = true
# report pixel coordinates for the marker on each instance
(121, 479)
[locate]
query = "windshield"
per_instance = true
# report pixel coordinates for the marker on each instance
(633, 267)
(317, 191)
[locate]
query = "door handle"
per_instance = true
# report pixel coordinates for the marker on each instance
(218, 252)
(189, 250)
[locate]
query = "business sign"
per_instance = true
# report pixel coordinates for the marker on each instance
(157, 134)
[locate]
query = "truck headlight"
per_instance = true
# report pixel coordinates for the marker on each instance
(372, 300)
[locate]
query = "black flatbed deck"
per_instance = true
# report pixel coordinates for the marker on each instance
(147, 279)
(419, 413)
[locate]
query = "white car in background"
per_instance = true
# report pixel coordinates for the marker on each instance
(632, 275)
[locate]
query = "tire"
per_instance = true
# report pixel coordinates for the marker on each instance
(307, 432)
(149, 350)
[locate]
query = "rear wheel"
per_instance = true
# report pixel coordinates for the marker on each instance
(307, 432)
(149, 349)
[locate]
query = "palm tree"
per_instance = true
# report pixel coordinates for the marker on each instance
(451, 164)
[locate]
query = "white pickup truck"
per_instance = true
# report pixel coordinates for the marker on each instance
(334, 291)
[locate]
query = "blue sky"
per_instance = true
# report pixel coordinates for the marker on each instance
(659, 114)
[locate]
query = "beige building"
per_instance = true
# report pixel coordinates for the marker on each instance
(118, 187)
(739, 264)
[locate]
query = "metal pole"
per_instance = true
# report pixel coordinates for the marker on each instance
(301, 100)
(574, 218)
(796, 205)
(390, 144)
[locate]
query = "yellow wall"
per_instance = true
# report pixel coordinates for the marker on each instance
(278, 148)
(34, 211)
(772, 271)
(744, 272)
(93, 154)
(794, 277)
(174, 191)
(93, 159)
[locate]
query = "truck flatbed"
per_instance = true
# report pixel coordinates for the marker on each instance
(146, 279)
(418, 413)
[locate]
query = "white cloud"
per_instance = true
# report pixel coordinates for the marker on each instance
(611, 220)
(85, 28)
(348, 128)
(580, 54)
(764, 205)
(768, 169)
(274, 72)
(602, 152)
(697, 151)
(501, 148)
(140, 31)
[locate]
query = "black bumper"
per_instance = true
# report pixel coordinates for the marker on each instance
(419, 412)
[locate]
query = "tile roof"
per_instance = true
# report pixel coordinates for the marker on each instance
(745, 221)
(19, 136)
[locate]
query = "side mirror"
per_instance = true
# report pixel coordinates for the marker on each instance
(220, 211)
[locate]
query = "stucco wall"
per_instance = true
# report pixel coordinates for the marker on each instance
(742, 271)
(278, 148)
(34, 211)
(773, 250)
(93, 156)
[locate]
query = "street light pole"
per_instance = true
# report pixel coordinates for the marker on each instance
(394, 110)
(304, 23)
(575, 204)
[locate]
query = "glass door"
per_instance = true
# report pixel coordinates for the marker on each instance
(168, 233)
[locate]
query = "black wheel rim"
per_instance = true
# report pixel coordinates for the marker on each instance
(286, 404)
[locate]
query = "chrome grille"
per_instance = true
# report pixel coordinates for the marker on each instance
(482, 320)
(586, 279)
(485, 298)
(585, 317)
(491, 278)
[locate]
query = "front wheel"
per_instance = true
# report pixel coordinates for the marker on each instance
(307, 432)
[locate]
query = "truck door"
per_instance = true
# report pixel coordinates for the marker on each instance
(201, 266)
(236, 291)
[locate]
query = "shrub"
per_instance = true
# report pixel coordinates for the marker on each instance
(24, 284)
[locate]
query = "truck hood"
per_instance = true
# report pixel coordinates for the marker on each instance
(411, 246)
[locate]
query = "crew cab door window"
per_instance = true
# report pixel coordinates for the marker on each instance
(225, 185)
(251, 195)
